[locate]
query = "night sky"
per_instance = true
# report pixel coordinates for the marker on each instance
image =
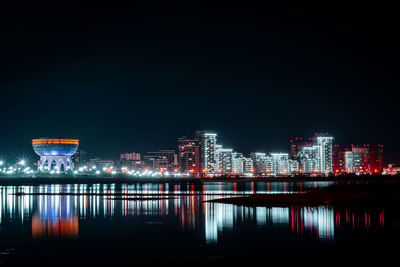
(136, 79)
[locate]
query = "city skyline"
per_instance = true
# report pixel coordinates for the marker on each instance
(203, 155)
(141, 77)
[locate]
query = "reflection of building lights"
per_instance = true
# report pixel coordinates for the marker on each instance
(59, 228)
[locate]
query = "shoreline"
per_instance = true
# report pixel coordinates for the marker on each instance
(382, 193)
(134, 180)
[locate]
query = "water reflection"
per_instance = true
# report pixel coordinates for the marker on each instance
(58, 210)
(55, 217)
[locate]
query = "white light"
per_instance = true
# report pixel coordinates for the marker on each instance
(1, 163)
(97, 172)
(21, 162)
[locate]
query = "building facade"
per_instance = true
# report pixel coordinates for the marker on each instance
(376, 159)
(208, 157)
(237, 163)
(189, 155)
(324, 146)
(225, 160)
(280, 163)
(296, 145)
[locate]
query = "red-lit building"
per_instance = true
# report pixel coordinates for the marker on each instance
(189, 155)
(361, 158)
(338, 159)
(376, 159)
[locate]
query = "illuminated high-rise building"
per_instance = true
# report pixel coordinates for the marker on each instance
(217, 148)
(259, 162)
(189, 155)
(323, 144)
(225, 160)
(294, 166)
(280, 163)
(248, 166)
(308, 159)
(348, 162)
(338, 159)
(269, 165)
(296, 144)
(376, 159)
(237, 163)
(360, 158)
(208, 159)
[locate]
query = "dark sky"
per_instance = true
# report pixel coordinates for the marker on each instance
(136, 79)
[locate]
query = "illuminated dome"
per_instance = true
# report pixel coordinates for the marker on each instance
(55, 151)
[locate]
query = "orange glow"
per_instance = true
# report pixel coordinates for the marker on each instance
(191, 170)
(55, 141)
(59, 228)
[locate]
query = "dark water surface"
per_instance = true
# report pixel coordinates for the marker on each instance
(162, 223)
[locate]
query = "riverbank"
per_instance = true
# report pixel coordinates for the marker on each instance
(374, 193)
(6, 180)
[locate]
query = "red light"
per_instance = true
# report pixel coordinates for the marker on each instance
(176, 170)
(191, 170)
(161, 169)
(203, 170)
(108, 170)
(301, 170)
(268, 170)
(251, 170)
(337, 171)
(219, 170)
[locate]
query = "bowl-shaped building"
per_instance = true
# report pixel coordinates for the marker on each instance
(55, 151)
(55, 146)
